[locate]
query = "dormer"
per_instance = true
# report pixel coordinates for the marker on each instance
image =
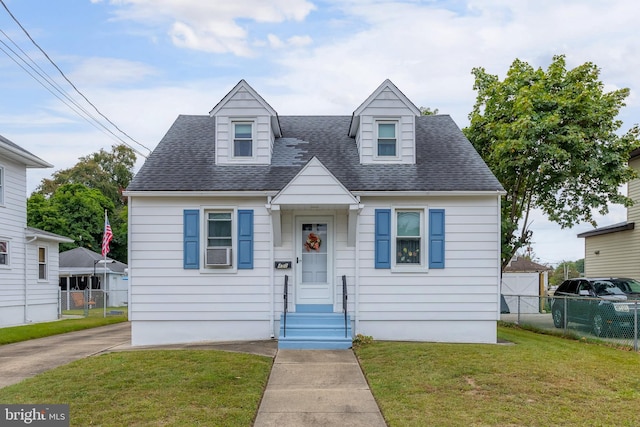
(246, 127)
(384, 127)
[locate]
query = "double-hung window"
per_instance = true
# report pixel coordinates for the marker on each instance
(42, 263)
(409, 237)
(387, 141)
(4, 252)
(242, 139)
(228, 239)
(219, 239)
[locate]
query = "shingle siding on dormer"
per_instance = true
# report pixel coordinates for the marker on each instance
(406, 138)
(242, 103)
(386, 103)
(263, 142)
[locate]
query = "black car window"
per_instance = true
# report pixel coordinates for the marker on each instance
(568, 286)
(585, 286)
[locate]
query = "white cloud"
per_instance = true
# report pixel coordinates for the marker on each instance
(295, 42)
(213, 25)
(107, 71)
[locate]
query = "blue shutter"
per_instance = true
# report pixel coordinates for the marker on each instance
(383, 238)
(191, 235)
(245, 239)
(436, 238)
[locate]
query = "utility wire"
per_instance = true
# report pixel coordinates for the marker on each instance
(92, 122)
(70, 82)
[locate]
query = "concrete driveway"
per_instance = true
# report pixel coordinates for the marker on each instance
(28, 358)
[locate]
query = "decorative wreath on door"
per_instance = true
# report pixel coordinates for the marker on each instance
(313, 242)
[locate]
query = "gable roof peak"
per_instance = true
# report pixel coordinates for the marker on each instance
(243, 85)
(387, 85)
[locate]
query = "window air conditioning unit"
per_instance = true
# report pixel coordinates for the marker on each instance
(218, 257)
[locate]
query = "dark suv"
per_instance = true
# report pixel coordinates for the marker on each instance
(599, 303)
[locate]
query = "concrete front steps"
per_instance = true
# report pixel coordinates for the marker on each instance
(315, 331)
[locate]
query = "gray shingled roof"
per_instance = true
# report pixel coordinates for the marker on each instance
(14, 151)
(85, 258)
(184, 159)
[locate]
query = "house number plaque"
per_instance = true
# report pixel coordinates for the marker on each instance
(283, 265)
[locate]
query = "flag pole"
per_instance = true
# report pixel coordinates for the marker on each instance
(104, 266)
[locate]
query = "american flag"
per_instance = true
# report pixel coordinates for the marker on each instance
(108, 235)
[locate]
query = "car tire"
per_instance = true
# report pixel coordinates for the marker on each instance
(598, 325)
(558, 317)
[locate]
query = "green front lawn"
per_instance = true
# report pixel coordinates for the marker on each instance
(152, 388)
(539, 380)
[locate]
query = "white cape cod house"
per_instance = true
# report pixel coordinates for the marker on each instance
(383, 223)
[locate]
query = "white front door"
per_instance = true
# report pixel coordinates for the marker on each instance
(314, 260)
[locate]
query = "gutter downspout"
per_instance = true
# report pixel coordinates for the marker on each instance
(356, 279)
(26, 281)
(499, 232)
(272, 274)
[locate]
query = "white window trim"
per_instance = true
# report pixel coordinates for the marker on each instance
(232, 137)
(204, 211)
(8, 242)
(409, 268)
(387, 120)
(46, 264)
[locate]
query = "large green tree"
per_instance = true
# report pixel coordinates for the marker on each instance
(108, 172)
(73, 210)
(73, 201)
(552, 139)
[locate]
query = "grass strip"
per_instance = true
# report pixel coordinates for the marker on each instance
(539, 380)
(40, 330)
(152, 388)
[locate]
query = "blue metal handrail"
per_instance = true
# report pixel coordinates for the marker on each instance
(286, 304)
(344, 303)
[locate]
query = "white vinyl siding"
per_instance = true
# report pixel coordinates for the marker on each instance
(170, 304)
(243, 108)
(386, 108)
(464, 293)
(21, 275)
(1, 185)
(215, 299)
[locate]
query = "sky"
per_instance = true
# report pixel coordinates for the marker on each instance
(141, 63)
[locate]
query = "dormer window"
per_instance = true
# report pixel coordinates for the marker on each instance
(387, 138)
(243, 139)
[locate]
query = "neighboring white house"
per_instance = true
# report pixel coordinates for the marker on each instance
(80, 266)
(397, 206)
(28, 256)
(527, 279)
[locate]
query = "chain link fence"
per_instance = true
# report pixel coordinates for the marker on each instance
(614, 321)
(79, 302)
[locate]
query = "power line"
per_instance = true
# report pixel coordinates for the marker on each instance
(68, 81)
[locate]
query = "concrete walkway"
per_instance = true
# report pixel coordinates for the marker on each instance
(317, 388)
